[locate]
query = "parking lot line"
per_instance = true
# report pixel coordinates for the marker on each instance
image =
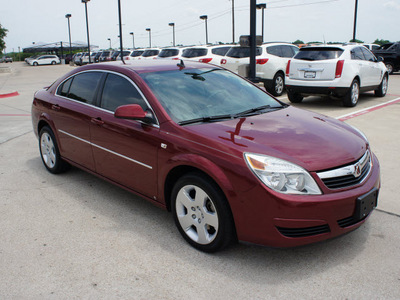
(367, 110)
(15, 115)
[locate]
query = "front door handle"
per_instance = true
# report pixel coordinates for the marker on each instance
(97, 121)
(55, 107)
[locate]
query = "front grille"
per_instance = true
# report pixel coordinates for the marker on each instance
(303, 232)
(349, 175)
(346, 222)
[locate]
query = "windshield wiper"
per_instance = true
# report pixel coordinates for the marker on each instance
(254, 110)
(206, 119)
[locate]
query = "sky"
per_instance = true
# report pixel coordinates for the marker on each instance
(36, 21)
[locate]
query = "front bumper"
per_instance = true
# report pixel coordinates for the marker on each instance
(279, 220)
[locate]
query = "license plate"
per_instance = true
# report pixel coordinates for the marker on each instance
(309, 74)
(366, 203)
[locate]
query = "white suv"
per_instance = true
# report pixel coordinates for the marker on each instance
(206, 54)
(271, 63)
(173, 53)
(45, 60)
(339, 71)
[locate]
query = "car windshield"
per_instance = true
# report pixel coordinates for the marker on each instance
(207, 94)
(194, 52)
(168, 52)
(148, 53)
(318, 53)
(241, 52)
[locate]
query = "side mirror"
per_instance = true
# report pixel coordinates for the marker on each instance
(133, 112)
(380, 58)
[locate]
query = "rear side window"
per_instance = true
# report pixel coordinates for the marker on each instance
(194, 52)
(241, 52)
(64, 88)
(357, 54)
(274, 50)
(119, 91)
(83, 87)
(315, 53)
(168, 52)
(221, 51)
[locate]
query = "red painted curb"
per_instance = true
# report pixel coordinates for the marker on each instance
(367, 110)
(9, 95)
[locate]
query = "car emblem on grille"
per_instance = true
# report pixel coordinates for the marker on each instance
(357, 170)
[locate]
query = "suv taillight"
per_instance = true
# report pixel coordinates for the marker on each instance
(223, 61)
(339, 68)
(288, 68)
(205, 60)
(261, 61)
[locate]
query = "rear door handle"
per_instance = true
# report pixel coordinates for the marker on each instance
(55, 107)
(97, 121)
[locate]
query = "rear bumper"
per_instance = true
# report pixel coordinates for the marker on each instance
(317, 90)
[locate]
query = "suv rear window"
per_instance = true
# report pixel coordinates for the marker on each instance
(241, 52)
(194, 52)
(137, 53)
(220, 50)
(316, 53)
(148, 53)
(168, 52)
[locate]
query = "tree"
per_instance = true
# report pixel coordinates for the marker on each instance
(381, 42)
(298, 42)
(356, 41)
(3, 34)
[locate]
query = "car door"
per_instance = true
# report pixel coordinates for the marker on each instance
(125, 151)
(375, 72)
(72, 110)
(362, 65)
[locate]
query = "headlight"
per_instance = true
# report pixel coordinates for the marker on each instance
(282, 176)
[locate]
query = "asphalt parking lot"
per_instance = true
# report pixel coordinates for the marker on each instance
(74, 236)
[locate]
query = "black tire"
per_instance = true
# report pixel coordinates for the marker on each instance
(382, 88)
(35, 64)
(53, 62)
(389, 67)
(352, 95)
(278, 85)
(49, 152)
(294, 97)
(205, 222)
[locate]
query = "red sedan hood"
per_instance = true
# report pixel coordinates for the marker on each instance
(308, 139)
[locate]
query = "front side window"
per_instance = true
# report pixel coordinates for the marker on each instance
(368, 55)
(357, 54)
(83, 87)
(119, 91)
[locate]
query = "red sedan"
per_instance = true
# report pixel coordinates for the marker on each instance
(230, 161)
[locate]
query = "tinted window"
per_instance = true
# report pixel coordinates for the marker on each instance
(315, 53)
(240, 52)
(84, 86)
(119, 91)
(137, 53)
(168, 52)
(64, 88)
(287, 51)
(220, 51)
(357, 54)
(148, 53)
(194, 52)
(105, 53)
(368, 55)
(274, 50)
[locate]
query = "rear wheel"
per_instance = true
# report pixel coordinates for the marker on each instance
(49, 152)
(35, 63)
(382, 88)
(351, 97)
(389, 67)
(295, 97)
(278, 85)
(201, 213)
(53, 62)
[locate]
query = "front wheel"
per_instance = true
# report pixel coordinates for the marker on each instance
(389, 67)
(382, 88)
(35, 63)
(201, 213)
(53, 62)
(351, 97)
(49, 152)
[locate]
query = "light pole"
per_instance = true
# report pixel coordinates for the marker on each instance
(355, 22)
(149, 30)
(110, 42)
(262, 6)
(120, 31)
(205, 17)
(133, 40)
(87, 27)
(233, 21)
(173, 33)
(69, 33)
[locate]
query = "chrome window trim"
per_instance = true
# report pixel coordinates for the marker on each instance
(349, 169)
(105, 149)
(97, 107)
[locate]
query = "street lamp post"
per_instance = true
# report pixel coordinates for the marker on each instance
(87, 27)
(149, 30)
(110, 42)
(233, 22)
(262, 6)
(69, 33)
(133, 40)
(355, 22)
(173, 33)
(205, 17)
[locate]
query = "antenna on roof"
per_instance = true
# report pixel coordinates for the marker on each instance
(181, 65)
